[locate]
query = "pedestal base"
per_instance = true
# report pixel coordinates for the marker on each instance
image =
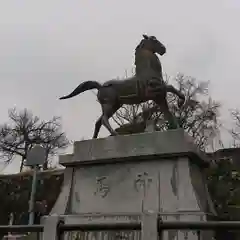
(122, 178)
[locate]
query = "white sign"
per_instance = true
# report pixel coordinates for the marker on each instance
(36, 156)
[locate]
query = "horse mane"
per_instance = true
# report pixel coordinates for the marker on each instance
(139, 46)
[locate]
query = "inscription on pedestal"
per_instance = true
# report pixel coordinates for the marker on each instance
(103, 187)
(142, 182)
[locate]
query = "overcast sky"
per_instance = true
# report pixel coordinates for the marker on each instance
(48, 47)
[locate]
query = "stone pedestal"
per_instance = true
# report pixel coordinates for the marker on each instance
(123, 178)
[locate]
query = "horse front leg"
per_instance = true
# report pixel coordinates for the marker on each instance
(172, 89)
(168, 116)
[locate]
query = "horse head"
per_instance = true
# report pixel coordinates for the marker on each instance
(152, 44)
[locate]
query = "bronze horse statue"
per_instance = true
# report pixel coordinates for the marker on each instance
(147, 84)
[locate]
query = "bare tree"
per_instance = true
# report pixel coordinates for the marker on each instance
(25, 130)
(199, 116)
(235, 131)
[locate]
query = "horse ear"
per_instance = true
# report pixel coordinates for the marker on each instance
(145, 36)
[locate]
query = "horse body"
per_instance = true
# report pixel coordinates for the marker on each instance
(127, 91)
(146, 84)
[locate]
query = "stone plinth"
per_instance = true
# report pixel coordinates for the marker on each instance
(121, 178)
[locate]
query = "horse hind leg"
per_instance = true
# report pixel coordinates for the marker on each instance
(108, 111)
(98, 125)
(103, 120)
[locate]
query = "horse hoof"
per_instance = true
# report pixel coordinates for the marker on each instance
(114, 134)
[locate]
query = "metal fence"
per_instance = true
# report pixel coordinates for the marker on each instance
(61, 227)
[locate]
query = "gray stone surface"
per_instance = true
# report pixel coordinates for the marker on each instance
(143, 146)
(150, 227)
(125, 178)
(50, 227)
(62, 203)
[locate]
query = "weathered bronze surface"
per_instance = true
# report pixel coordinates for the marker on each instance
(147, 84)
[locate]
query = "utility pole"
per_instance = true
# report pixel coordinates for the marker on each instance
(35, 158)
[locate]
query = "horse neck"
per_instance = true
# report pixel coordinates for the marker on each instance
(147, 61)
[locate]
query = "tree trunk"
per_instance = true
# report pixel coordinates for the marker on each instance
(45, 164)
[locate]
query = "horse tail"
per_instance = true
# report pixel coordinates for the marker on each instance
(82, 87)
